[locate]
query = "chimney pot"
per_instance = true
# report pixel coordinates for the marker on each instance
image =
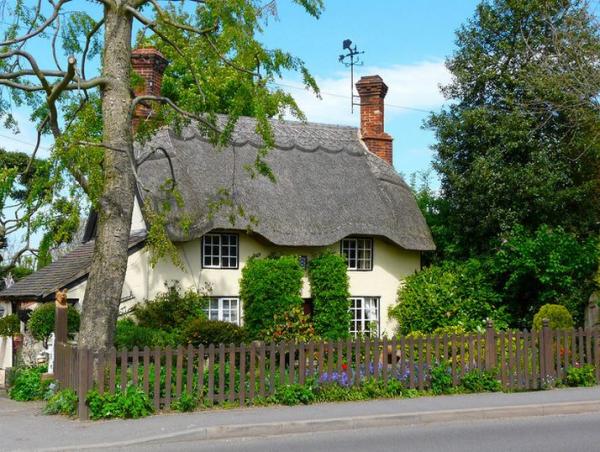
(150, 65)
(372, 91)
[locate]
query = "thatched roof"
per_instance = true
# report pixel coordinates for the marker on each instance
(328, 186)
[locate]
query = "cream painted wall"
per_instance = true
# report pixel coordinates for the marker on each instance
(5, 347)
(391, 265)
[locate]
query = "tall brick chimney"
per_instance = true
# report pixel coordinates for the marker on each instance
(149, 64)
(372, 91)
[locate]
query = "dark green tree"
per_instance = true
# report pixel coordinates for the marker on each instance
(518, 143)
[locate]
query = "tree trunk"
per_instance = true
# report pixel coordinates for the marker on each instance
(109, 263)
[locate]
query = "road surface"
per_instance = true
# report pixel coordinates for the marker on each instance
(572, 433)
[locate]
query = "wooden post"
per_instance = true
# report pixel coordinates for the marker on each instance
(60, 332)
(490, 346)
(547, 350)
(82, 390)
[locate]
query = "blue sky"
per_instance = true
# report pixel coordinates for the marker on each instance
(405, 41)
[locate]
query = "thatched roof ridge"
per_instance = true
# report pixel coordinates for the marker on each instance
(328, 186)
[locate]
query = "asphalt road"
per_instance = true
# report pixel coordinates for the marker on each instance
(570, 433)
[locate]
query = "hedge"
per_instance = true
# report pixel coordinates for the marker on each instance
(328, 277)
(269, 287)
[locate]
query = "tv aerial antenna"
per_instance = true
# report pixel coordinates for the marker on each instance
(351, 59)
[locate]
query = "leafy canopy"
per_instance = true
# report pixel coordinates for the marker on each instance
(518, 143)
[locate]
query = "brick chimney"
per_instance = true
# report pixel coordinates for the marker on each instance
(149, 64)
(372, 91)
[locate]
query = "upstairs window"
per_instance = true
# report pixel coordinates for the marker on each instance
(220, 251)
(358, 253)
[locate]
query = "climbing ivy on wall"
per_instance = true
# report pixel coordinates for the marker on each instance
(331, 299)
(269, 288)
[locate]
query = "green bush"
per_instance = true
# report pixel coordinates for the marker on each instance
(9, 325)
(201, 331)
(171, 309)
(186, 403)
(440, 378)
(63, 402)
(477, 380)
(269, 287)
(41, 322)
(27, 384)
(291, 326)
(450, 294)
(558, 317)
(131, 404)
(328, 275)
(129, 335)
(548, 266)
(580, 376)
(294, 394)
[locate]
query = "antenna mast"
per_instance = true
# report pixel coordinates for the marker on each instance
(353, 56)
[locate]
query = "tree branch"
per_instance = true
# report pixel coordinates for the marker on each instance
(38, 30)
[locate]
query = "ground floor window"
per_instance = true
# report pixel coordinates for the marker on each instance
(365, 316)
(226, 309)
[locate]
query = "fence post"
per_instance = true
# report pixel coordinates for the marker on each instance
(60, 333)
(490, 346)
(82, 386)
(548, 367)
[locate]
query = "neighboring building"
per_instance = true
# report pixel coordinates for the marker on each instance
(335, 189)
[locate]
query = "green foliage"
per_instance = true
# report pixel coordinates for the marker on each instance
(131, 404)
(547, 266)
(294, 394)
(441, 378)
(477, 380)
(63, 402)
(291, 326)
(580, 376)
(269, 287)
(558, 317)
(202, 331)
(41, 322)
(17, 272)
(27, 384)
(171, 309)
(517, 144)
(186, 403)
(450, 294)
(328, 277)
(10, 325)
(129, 335)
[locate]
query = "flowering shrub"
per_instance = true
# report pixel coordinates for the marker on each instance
(292, 325)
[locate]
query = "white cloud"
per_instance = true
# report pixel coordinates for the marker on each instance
(414, 86)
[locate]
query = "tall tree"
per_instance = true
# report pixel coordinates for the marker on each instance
(519, 143)
(96, 151)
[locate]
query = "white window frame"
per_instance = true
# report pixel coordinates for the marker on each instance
(223, 309)
(362, 324)
(216, 240)
(362, 247)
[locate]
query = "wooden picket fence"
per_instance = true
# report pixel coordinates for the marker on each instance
(239, 374)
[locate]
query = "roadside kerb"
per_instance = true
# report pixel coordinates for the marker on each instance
(350, 423)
